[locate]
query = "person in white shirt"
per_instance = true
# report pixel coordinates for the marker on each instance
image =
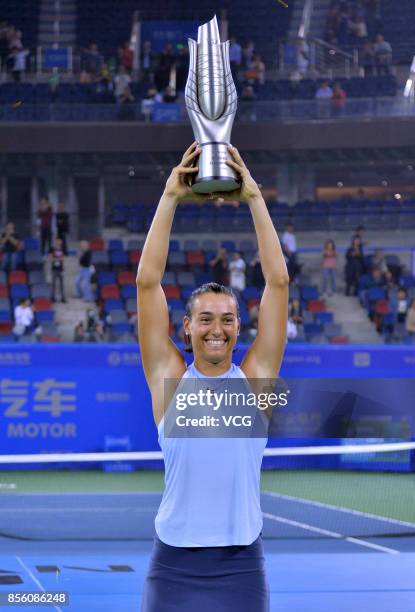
(18, 56)
(122, 79)
(289, 240)
(237, 273)
(289, 246)
(23, 317)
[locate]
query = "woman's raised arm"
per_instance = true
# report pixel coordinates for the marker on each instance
(263, 359)
(159, 355)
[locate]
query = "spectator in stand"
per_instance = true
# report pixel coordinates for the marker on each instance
(85, 77)
(383, 55)
(248, 97)
(44, 219)
(355, 266)
(379, 261)
(376, 279)
(235, 58)
(367, 59)
(104, 89)
(323, 96)
(126, 56)
(402, 305)
(333, 19)
(95, 327)
(182, 67)
(122, 79)
(15, 38)
(24, 318)
(410, 319)
(56, 257)
(359, 233)
(303, 56)
(9, 247)
(83, 278)
(62, 225)
(343, 30)
(358, 28)
(248, 53)
(147, 103)
(79, 333)
(237, 267)
(329, 268)
(17, 59)
(256, 278)
(289, 247)
(165, 64)
(148, 62)
(296, 312)
(126, 111)
(255, 75)
(219, 267)
(324, 91)
(338, 99)
(98, 334)
(92, 59)
(169, 95)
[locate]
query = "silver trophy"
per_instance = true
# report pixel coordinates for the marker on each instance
(211, 104)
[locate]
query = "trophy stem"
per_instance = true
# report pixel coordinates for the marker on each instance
(214, 174)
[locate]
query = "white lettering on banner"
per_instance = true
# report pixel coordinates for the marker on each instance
(14, 393)
(49, 391)
(361, 360)
(116, 358)
(41, 430)
(17, 358)
(102, 396)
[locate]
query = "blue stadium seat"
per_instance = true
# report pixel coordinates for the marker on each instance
(309, 292)
(115, 245)
(106, 278)
(113, 304)
(128, 292)
(19, 291)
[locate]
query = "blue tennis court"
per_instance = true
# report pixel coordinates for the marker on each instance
(96, 546)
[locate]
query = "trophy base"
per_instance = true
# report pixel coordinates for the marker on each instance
(215, 184)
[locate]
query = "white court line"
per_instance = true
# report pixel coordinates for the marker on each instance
(331, 534)
(35, 580)
(312, 502)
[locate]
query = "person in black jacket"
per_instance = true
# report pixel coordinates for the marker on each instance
(355, 265)
(62, 225)
(83, 279)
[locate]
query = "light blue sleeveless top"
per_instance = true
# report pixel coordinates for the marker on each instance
(212, 487)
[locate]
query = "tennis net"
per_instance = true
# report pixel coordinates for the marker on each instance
(359, 488)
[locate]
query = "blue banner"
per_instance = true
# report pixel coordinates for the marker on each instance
(166, 112)
(57, 398)
(56, 58)
(161, 33)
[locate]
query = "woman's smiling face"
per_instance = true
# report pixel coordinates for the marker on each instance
(213, 327)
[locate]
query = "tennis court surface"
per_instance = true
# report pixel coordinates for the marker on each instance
(335, 539)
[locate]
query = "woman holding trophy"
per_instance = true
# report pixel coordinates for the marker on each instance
(207, 552)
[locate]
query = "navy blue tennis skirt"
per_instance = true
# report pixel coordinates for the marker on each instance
(219, 579)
